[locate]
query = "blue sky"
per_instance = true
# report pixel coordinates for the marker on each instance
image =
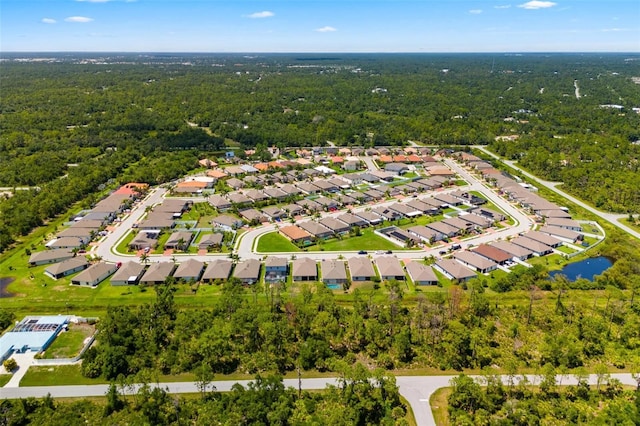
(320, 25)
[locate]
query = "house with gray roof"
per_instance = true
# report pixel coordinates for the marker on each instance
(252, 215)
(67, 267)
(65, 243)
(292, 210)
(276, 269)
(310, 205)
(405, 210)
(218, 269)
(563, 234)
(423, 207)
(333, 271)
(94, 274)
(158, 273)
(275, 193)
(361, 269)
(144, 240)
(210, 240)
(190, 270)
(371, 217)
(561, 222)
(179, 240)
(248, 271)
(543, 238)
(84, 234)
(239, 199)
(235, 183)
(305, 269)
(256, 195)
(219, 203)
(538, 248)
(228, 223)
(454, 270)
(479, 222)
(475, 261)
(352, 220)
(290, 190)
(308, 187)
(397, 168)
(338, 227)
(316, 229)
(425, 234)
(443, 229)
(389, 268)
(129, 273)
(421, 274)
(514, 250)
(50, 256)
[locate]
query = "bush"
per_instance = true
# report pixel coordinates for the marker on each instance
(10, 364)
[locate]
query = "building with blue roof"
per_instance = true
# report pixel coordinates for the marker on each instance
(32, 334)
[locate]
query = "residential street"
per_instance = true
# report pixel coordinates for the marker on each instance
(416, 389)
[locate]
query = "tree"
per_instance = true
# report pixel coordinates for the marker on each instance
(204, 377)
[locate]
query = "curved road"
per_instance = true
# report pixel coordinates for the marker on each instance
(416, 389)
(612, 218)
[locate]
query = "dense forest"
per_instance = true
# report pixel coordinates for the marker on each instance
(71, 124)
(312, 330)
(518, 403)
(360, 399)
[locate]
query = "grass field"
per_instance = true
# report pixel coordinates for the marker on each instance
(69, 343)
(439, 405)
(57, 376)
(273, 242)
(4, 379)
(367, 241)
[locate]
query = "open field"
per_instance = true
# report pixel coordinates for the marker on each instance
(439, 406)
(69, 343)
(275, 243)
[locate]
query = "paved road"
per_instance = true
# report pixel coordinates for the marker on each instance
(612, 218)
(416, 389)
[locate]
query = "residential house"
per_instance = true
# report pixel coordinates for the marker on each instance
(296, 234)
(423, 207)
(179, 240)
(227, 223)
(534, 246)
(338, 227)
(67, 267)
(310, 205)
(157, 273)
(276, 269)
(65, 243)
(389, 268)
(273, 213)
(460, 223)
(275, 193)
(351, 165)
(252, 216)
(401, 235)
(371, 217)
(563, 234)
(352, 220)
(345, 200)
(248, 271)
(84, 234)
(493, 253)
(145, 240)
(49, 256)
(421, 274)
(308, 188)
(256, 195)
(190, 270)
(515, 251)
(397, 168)
(447, 199)
(239, 199)
(490, 214)
(327, 203)
(361, 269)
(333, 271)
(210, 240)
(94, 274)
(290, 190)
(157, 221)
(425, 234)
(454, 270)
(479, 222)
(560, 222)
(218, 269)
(353, 178)
(316, 229)
(405, 210)
(129, 273)
(305, 269)
(293, 210)
(543, 238)
(387, 213)
(475, 261)
(443, 229)
(383, 174)
(219, 203)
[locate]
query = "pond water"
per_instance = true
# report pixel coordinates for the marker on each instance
(587, 268)
(4, 283)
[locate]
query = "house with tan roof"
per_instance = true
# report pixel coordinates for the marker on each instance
(475, 261)
(190, 270)
(454, 270)
(421, 274)
(514, 250)
(218, 269)
(129, 273)
(157, 273)
(94, 274)
(248, 271)
(67, 267)
(305, 269)
(333, 271)
(389, 268)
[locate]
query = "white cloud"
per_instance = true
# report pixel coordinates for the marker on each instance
(475, 11)
(78, 19)
(260, 15)
(537, 4)
(504, 6)
(48, 21)
(326, 29)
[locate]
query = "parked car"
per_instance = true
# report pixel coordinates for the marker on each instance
(362, 252)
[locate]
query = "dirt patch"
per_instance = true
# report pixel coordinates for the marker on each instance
(4, 283)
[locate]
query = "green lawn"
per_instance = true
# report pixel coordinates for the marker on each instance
(123, 246)
(57, 376)
(565, 249)
(69, 343)
(4, 379)
(274, 242)
(367, 241)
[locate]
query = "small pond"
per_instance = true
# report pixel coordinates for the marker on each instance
(587, 268)
(4, 283)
